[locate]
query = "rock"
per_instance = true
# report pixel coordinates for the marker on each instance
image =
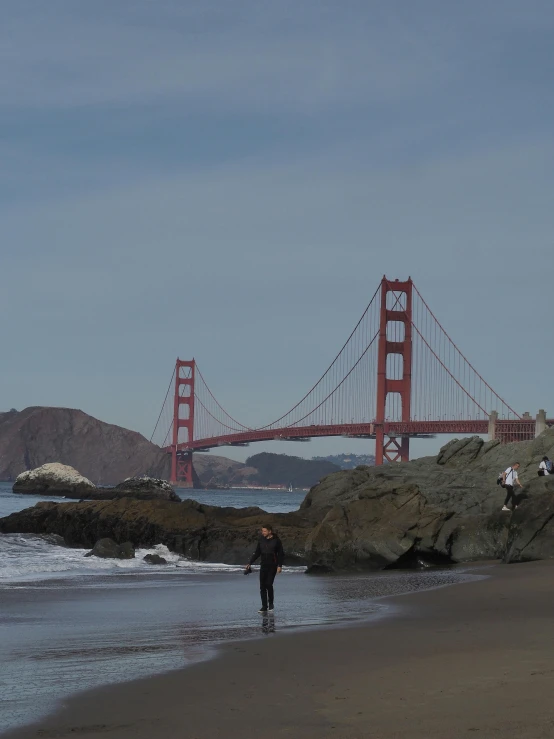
(53, 479)
(54, 539)
(531, 533)
(460, 452)
(109, 549)
(473, 538)
(205, 533)
(154, 559)
(59, 479)
(144, 488)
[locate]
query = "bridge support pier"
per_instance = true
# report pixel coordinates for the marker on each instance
(394, 450)
(400, 312)
(183, 418)
(540, 423)
(184, 474)
(493, 418)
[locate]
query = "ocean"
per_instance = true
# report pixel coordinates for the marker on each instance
(69, 623)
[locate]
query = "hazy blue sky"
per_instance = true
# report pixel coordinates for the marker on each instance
(230, 180)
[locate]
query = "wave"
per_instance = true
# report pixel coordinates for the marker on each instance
(25, 557)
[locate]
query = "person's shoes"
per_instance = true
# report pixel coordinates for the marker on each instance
(505, 508)
(262, 610)
(271, 607)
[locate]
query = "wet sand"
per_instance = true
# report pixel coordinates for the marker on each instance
(475, 659)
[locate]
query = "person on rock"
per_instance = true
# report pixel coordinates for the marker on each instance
(545, 467)
(509, 479)
(271, 553)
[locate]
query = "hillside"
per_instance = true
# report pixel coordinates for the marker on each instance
(107, 454)
(102, 452)
(283, 469)
(347, 461)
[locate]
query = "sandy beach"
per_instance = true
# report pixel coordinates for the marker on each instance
(475, 659)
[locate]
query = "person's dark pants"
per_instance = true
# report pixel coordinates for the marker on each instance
(510, 494)
(267, 576)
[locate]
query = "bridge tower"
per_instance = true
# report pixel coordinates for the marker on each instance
(398, 310)
(181, 461)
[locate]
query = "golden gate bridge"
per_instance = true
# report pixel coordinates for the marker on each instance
(398, 376)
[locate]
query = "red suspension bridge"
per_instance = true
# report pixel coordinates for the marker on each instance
(398, 376)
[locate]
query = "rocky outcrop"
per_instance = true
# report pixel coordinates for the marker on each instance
(108, 549)
(531, 532)
(53, 479)
(154, 559)
(59, 479)
(206, 533)
(143, 488)
(432, 510)
(446, 508)
(399, 526)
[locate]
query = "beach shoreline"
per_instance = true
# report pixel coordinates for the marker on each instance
(43, 659)
(474, 658)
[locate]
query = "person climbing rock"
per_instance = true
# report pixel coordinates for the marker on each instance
(509, 479)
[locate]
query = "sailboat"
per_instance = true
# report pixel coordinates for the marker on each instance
(290, 487)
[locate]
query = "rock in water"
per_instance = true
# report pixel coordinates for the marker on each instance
(53, 479)
(109, 549)
(144, 488)
(60, 479)
(199, 532)
(154, 559)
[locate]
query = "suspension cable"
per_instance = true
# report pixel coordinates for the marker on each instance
(464, 358)
(163, 405)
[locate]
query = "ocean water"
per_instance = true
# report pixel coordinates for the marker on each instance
(69, 623)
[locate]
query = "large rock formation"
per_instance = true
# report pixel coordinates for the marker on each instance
(446, 508)
(197, 531)
(531, 532)
(54, 479)
(436, 509)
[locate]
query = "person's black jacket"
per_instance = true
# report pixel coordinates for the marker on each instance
(270, 551)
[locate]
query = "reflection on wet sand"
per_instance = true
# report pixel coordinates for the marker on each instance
(268, 624)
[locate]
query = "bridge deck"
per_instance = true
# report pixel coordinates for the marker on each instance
(506, 429)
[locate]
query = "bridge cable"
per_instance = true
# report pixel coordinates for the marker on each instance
(163, 406)
(261, 428)
(462, 355)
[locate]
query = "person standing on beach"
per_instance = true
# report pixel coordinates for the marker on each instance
(509, 479)
(271, 553)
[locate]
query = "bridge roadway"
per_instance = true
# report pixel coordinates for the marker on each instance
(508, 430)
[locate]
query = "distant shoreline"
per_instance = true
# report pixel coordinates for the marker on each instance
(281, 489)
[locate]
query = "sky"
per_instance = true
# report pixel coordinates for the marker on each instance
(230, 181)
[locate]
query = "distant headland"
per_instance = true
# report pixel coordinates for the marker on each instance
(107, 454)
